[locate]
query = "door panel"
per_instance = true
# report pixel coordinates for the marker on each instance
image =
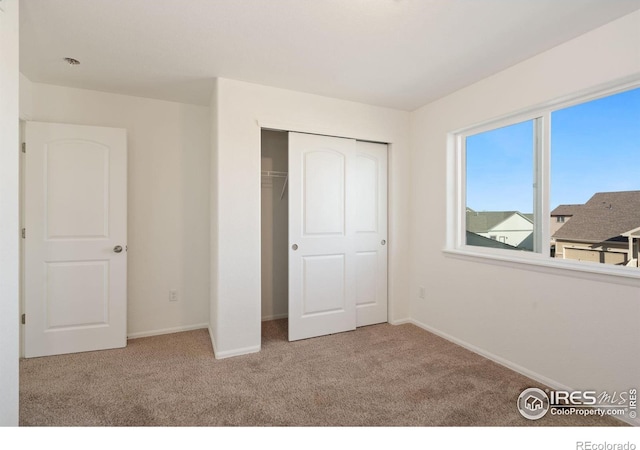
(323, 284)
(367, 170)
(75, 216)
(371, 233)
(367, 265)
(324, 193)
(322, 253)
(66, 282)
(77, 202)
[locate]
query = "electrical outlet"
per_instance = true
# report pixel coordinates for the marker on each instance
(422, 292)
(173, 295)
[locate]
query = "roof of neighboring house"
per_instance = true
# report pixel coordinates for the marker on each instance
(483, 221)
(604, 217)
(481, 241)
(565, 210)
(527, 243)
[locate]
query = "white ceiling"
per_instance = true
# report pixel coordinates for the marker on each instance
(396, 53)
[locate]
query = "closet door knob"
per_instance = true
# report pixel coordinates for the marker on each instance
(383, 242)
(117, 248)
(294, 247)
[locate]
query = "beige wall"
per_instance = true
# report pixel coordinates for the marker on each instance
(9, 225)
(554, 326)
(275, 227)
(168, 197)
(214, 215)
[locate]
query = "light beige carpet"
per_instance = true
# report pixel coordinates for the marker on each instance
(380, 375)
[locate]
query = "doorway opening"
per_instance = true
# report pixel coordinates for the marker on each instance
(323, 234)
(274, 234)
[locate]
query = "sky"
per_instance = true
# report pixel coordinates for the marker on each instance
(595, 147)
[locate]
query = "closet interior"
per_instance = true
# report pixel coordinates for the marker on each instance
(274, 216)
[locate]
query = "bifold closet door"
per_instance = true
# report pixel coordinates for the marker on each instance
(322, 244)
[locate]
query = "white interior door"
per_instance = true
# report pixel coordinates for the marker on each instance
(371, 233)
(76, 232)
(322, 250)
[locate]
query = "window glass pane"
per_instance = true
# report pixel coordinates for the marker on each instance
(499, 187)
(595, 180)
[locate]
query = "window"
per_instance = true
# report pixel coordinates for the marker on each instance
(524, 177)
(496, 159)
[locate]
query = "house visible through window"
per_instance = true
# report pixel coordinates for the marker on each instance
(563, 182)
(595, 151)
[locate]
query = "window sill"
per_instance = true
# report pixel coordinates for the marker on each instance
(592, 271)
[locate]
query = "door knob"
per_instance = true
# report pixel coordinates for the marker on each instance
(117, 248)
(383, 242)
(294, 247)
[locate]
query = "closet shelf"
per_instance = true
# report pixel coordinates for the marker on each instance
(276, 174)
(273, 173)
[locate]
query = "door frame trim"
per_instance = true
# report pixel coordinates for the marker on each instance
(309, 129)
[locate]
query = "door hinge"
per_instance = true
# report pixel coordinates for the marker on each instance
(24, 147)
(24, 319)
(24, 233)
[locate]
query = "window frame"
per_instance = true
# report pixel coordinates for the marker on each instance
(539, 259)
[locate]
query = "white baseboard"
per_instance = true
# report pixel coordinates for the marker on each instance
(275, 317)
(141, 334)
(553, 384)
(495, 358)
(401, 321)
(229, 353)
(236, 352)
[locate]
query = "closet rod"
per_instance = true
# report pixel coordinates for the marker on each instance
(276, 174)
(273, 173)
